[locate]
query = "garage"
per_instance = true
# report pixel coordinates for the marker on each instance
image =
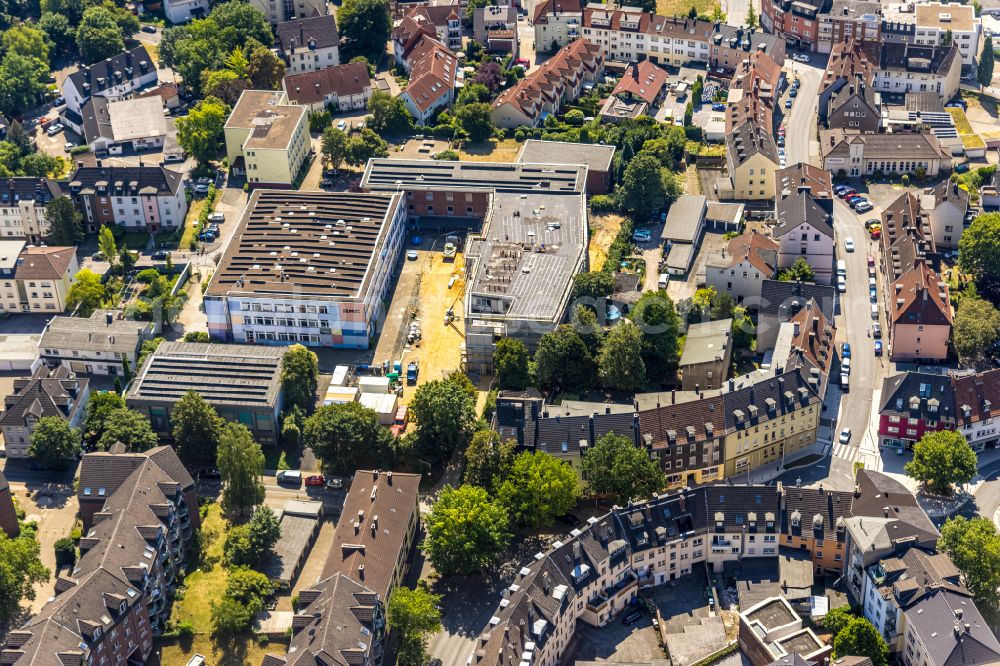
(19, 353)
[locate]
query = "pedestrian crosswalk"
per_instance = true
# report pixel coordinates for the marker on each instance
(848, 452)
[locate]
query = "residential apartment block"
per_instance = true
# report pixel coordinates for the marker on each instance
(22, 207)
(942, 24)
(280, 11)
(804, 230)
(242, 383)
(267, 138)
(341, 88)
(495, 27)
(309, 267)
(556, 23)
(48, 392)
(8, 514)
(308, 44)
(795, 21)
(905, 67)
(117, 77)
(640, 88)
(138, 198)
(101, 344)
(751, 160)
(849, 20)
(559, 80)
(35, 279)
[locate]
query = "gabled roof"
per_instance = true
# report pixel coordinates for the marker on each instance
(919, 296)
(794, 210)
(103, 472)
(127, 65)
(312, 87)
(819, 512)
(850, 60)
(126, 181)
(753, 247)
(643, 79)
(48, 392)
(750, 139)
(433, 70)
(42, 190)
(551, 77)
(315, 32)
(953, 631)
(787, 298)
(977, 396)
(905, 57)
(545, 7)
(922, 395)
(44, 263)
(876, 491)
(802, 175)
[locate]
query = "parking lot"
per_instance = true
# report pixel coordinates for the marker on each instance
(616, 642)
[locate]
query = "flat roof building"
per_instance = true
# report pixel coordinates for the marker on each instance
(242, 383)
(309, 267)
(596, 157)
(267, 138)
(533, 239)
(708, 351)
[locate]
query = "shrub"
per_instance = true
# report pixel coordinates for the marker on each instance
(185, 629)
(575, 117)
(447, 155)
(79, 150)
(519, 135)
(65, 552)
(603, 202)
(148, 276)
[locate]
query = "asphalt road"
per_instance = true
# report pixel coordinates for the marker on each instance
(800, 121)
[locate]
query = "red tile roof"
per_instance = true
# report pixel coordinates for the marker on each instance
(919, 296)
(644, 80)
(548, 81)
(312, 87)
(433, 68)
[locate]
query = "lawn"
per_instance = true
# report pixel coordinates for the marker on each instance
(682, 7)
(135, 240)
(490, 151)
(191, 222)
(209, 581)
(173, 652)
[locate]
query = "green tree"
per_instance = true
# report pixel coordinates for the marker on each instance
(20, 570)
(619, 363)
(27, 40)
(230, 617)
(476, 92)
(99, 36)
(250, 543)
(237, 63)
(860, 637)
(538, 488)
(487, 459)
(65, 222)
(974, 546)
(389, 114)
(510, 364)
(838, 618)
(334, 146)
(86, 293)
(196, 336)
(444, 413)
(17, 135)
(241, 463)
(465, 530)
(248, 587)
(129, 428)
(348, 437)
(976, 329)
(593, 284)
(476, 120)
(563, 360)
(984, 70)
(59, 31)
(646, 186)
(148, 346)
(200, 132)
(942, 459)
(300, 378)
(106, 243)
(362, 148)
(196, 430)
(415, 615)
(365, 26)
(40, 165)
(979, 252)
(657, 318)
(223, 84)
(799, 271)
(54, 444)
(22, 82)
(266, 70)
(616, 466)
(751, 16)
(584, 322)
(100, 405)
(65, 552)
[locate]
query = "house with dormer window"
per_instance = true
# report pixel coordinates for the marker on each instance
(48, 392)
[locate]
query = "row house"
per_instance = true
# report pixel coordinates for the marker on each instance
(138, 198)
(595, 573)
(795, 21)
(850, 20)
(308, 44)
(697, 437)
(559, 80)
(342, 88)
(757, 79)
(804, 230)
(915, 404)
(851, 62)
(628, 34)
(806, 340)
(740, 268)
(22, 208)
(946, 207)
(905, 68)
(114, 78)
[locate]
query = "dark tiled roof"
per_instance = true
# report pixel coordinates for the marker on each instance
(783, 297)
(935, 619)
(877, 491)
(123, 181)
(749, 139)
(124, 63)
(818, 510)
(110, 470)
(48, 392)
(42, 190)
(977, 396)
(917, 58)
(800, 208)
(315, 32)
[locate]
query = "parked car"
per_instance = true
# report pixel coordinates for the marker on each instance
(872, 222)
(781, 142)
(873, 294)
(878, 347)
(871, 261)
(718, 106)
(863, 206)
(840, 189)
(845, 365)
(851, 198)
(326, 182)
(315, 480)
(149, 28)
(800, 57)
(789, 102)
(68, 146)
(845, 350)
(54, 129)
(173, 157)
(210, 474)
(335, 483)
(642, 235)
(793, 92)
(217, 218)
(876, 330)
(59, 101)
(849, 244)
(631, 617)
(342, 125)
(845, 435)
(160, 255)
(291, 477)
(845, 381)
(412, 255)
(847, 193)
(875, 234)
(841, 284)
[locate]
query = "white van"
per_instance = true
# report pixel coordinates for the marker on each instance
(663, 281)
(292, 477)
(875, 311)
(841, 267)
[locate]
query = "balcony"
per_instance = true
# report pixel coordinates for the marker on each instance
(600, 600)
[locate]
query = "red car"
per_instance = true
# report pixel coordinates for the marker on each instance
(315, 480)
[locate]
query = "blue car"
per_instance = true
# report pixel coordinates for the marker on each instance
(845, 350)
(853, 199)
(788, 103)
(718, 106)
(878, 347)
(839, 189)
(872, 294)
